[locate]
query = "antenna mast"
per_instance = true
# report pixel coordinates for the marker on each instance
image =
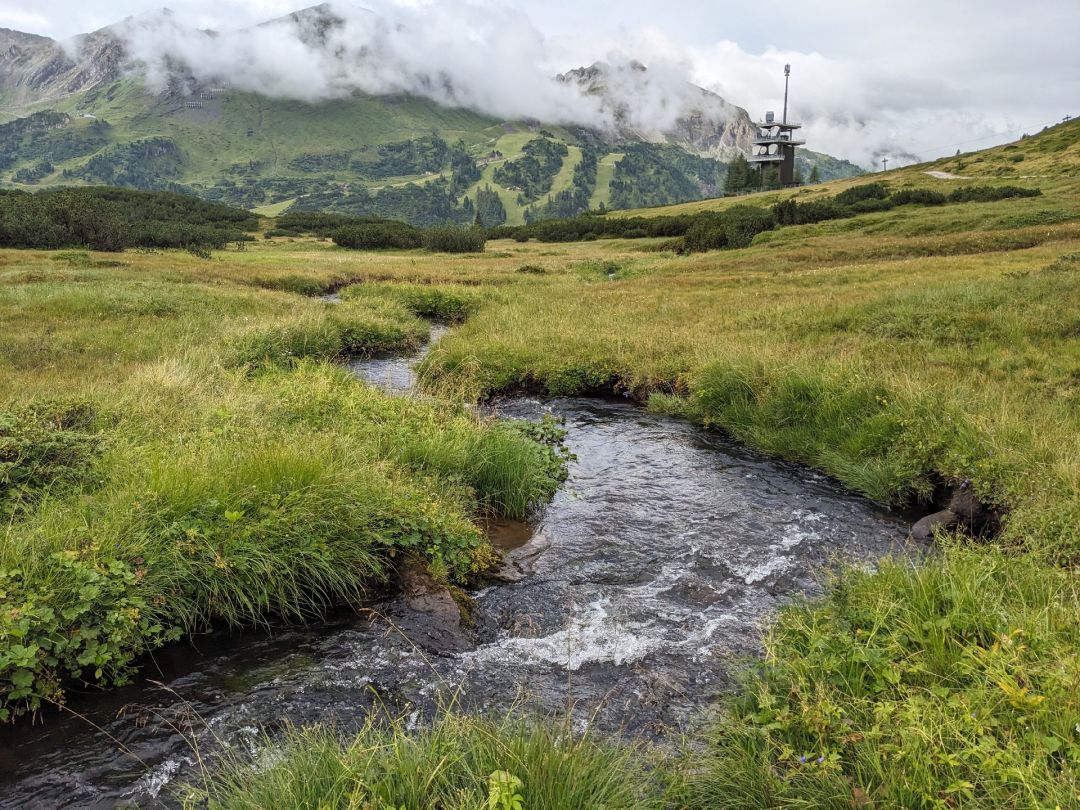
(787, 75)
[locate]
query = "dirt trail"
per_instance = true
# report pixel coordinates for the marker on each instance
(947, 176)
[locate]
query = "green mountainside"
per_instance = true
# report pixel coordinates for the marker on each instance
(92, 122)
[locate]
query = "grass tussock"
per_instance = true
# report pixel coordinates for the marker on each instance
(444, 302)
(333, 333)
(456, 763)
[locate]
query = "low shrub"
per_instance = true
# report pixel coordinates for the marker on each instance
(113, 219)
(455, 239)
(733, 227)
(867, 191)
(378, 236)
(918, 196)
(990, 193)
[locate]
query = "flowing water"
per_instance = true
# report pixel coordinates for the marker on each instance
(628, 602)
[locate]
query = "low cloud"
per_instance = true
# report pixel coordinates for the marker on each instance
(488, 58)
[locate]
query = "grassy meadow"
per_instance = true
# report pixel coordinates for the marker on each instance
(190, 435)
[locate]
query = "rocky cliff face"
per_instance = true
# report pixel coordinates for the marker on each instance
(695, 119)
(37, 69)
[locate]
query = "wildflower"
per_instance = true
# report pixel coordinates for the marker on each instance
(802, 759)
(820, 760)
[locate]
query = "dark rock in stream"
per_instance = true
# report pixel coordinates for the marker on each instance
(428, 614)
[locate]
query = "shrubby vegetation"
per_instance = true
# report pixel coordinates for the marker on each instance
(736, 226)
(150, 164)
(372, 233)
(533, 173)
(378, 236)
(661, 174)
(733, 227)
(872, 197)
(455, 239)
(115, 219)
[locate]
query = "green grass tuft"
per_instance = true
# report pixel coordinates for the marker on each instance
(456, 763)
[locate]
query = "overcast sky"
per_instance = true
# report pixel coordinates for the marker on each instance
(917, 78)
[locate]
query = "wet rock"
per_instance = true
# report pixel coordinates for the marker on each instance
(924, 529)
(428, 614)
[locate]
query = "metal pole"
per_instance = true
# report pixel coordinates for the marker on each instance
(787, 74)
(884, 164)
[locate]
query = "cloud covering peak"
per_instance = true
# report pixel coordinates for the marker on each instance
(488, 58)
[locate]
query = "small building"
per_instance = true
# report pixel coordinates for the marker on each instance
(776, 141)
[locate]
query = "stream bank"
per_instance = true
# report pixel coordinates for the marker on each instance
(629, 604)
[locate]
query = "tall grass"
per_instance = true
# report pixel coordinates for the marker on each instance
(456, 763)
(333, 333)
(440, 302)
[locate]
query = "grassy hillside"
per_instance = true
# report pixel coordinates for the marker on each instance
(259, 153)
(904, 352)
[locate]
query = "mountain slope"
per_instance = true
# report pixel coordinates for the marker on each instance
(98, 110)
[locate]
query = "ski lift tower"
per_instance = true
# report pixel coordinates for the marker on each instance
(776, 141)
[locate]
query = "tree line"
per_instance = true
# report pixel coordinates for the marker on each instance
(113, 219)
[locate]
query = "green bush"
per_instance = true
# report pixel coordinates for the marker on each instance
(88, 624)
(733, 227)
(455, 239)
(112, 219)
(378, 236)
(918, 196)
(990, 193)
(867, 191)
